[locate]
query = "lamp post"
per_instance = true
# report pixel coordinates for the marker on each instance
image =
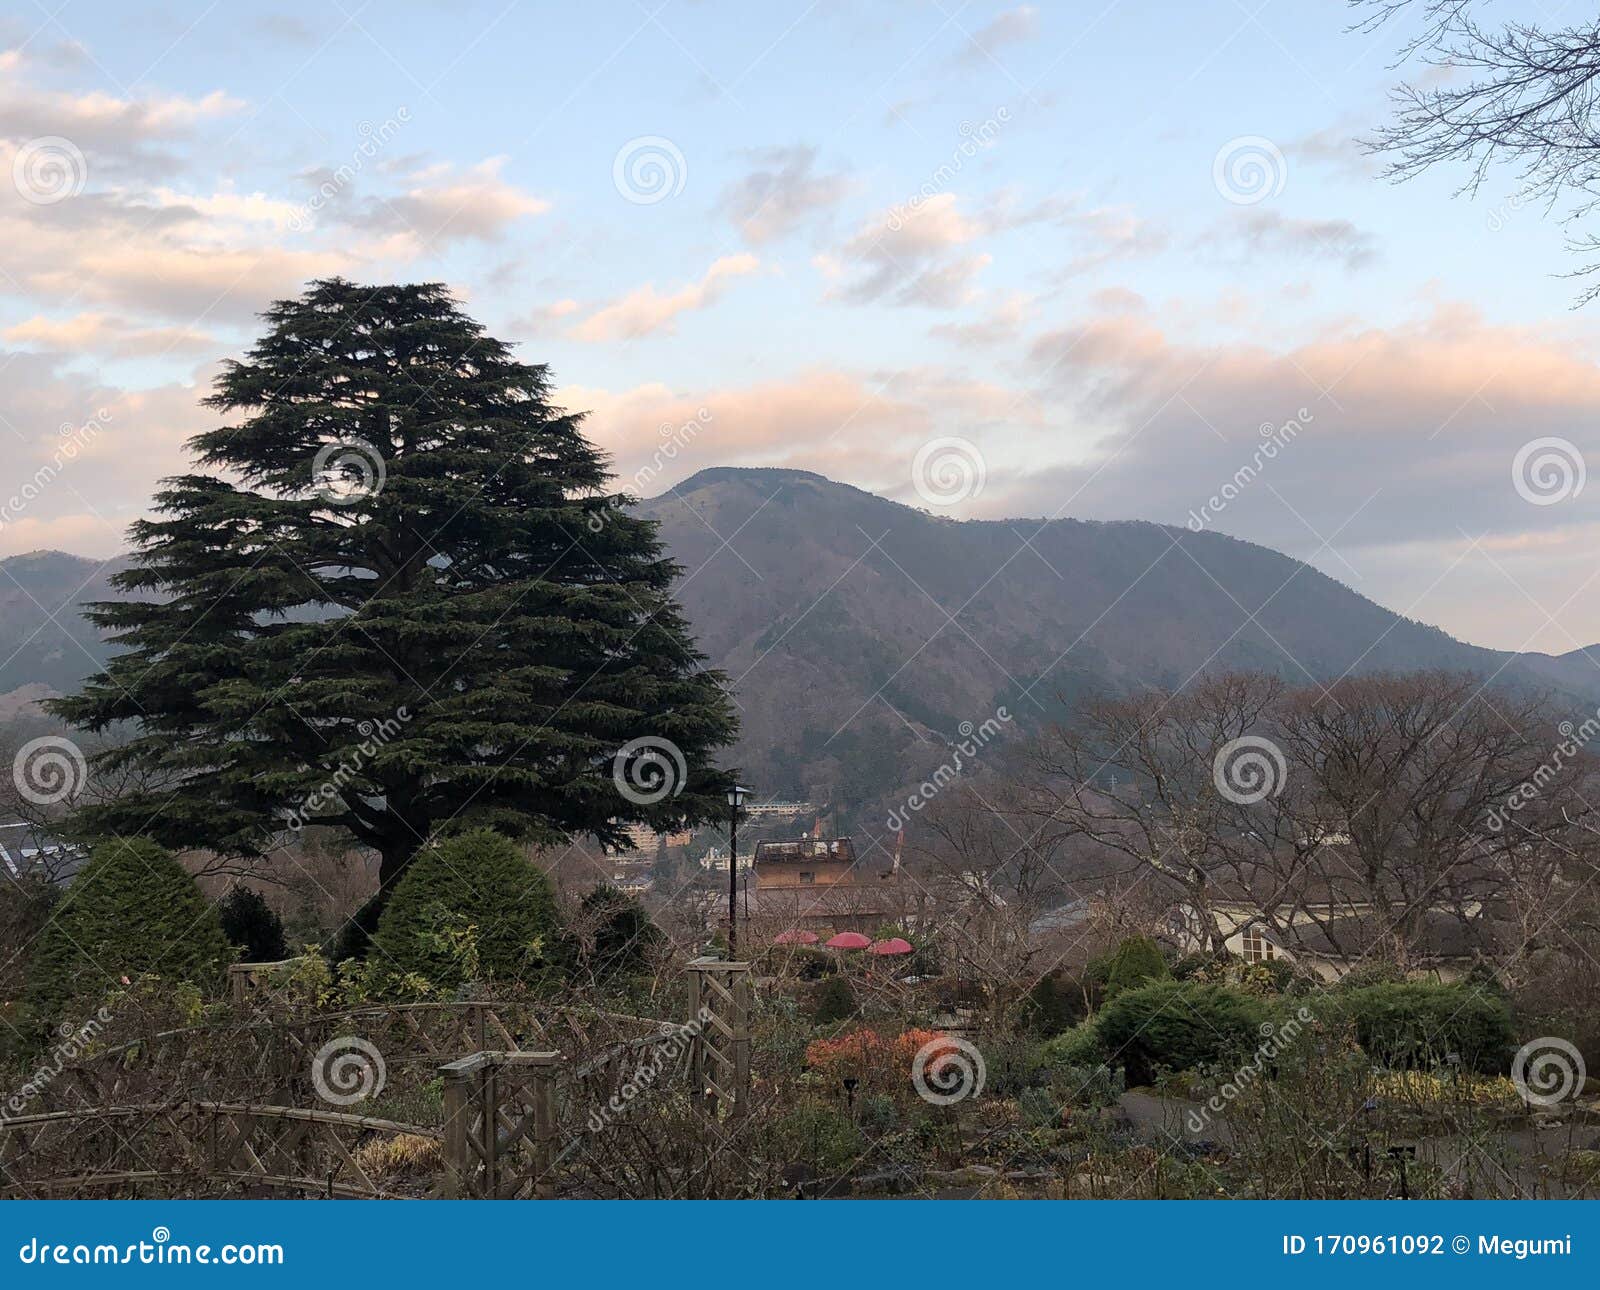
(735, 801)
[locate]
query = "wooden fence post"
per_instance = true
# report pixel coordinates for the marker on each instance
(721, 1053)
(461, 1108)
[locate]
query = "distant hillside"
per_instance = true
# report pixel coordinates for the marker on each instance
(861, 633)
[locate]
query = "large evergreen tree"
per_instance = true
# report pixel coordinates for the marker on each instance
(401, 601)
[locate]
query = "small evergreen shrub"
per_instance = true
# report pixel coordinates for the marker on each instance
(251, 926)
(470, 908)
(1080, 1046)
(131, 911)
(622, 930)
(835, 1001)
(1135, 962)
(1179, 1026)
(1056, 1003)
(1421, 1024)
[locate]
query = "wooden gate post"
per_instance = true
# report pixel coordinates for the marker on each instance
(461, 1108)
(721, 1055)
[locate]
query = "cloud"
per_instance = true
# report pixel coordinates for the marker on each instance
(1269, 232)
(106, 334)
(913, 254)
(781, 195)
(444, 205)
(1010, 28)
(117, 135)
(642, 312)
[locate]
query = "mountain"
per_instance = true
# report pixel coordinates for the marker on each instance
(862, 634)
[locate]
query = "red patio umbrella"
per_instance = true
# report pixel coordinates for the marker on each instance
(797, 936)
(894, 945)
(848, 941)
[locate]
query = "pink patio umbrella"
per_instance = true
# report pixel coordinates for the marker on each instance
(894, 945)
(797, 936)
(848, 941)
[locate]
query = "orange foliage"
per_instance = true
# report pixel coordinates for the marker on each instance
(877, 1062)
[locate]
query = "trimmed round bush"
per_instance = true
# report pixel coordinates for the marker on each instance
(623, 933)
(1417, 1023)
(1179, 1025)
(1080, 1046)
(132, 910)
(470, 908)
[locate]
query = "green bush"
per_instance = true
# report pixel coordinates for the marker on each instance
(132, 910)
(623, 932)
(1080, 1046)
(1417, 1023)
(1135, 962)
(825, 1139)
(835, 1001)
(1179, 1025)
(250, 924)
(1056, 1003)
(471, 908)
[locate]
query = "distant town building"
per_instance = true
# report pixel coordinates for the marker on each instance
(821, 884)
(28, 851)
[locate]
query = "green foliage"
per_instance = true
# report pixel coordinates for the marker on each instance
(623, 935)
(825, 1139)
(1135, 962)
(1056, 1003)
(131, 911)
(1038, 1108)
(835, 1001)
(397, 532)
(1179, 1025)
(878, 1115)
(471, 908)
(1417, 1023)
(1080, 1046)
(250, 924)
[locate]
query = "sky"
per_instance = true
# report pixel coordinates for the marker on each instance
(1060, 260)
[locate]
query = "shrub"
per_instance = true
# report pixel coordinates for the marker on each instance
(1178, 1026)
(1080, 1046)
(250, 924)
(131, 911)
(835, 1001)
(1135, 962)
(471, 908)
(825, 1139)
(1056, 1003)
(1417, 1023)
(622, 931)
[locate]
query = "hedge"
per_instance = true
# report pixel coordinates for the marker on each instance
(1416, 1023)
(1179, 1025)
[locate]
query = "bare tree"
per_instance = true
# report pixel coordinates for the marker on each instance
(1527, 102)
